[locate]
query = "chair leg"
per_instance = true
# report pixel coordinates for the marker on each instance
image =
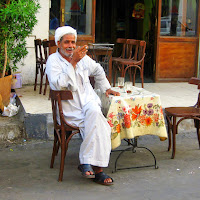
(35, 85)
(169, 131)
(198, 136)
(142, 78)
(198, 133)
(46, 83)
(130, 75)
(174, 132)
(115, 73)
(63, 153)
(55, 147)
(41, 79)
(134, 72)
(36, 73)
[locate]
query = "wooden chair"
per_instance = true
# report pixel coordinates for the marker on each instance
(46, 46)
(183, 113)
(137, 61)
(63, 131)
(39, 63)
(115, 60)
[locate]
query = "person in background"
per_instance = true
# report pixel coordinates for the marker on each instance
(54, 22)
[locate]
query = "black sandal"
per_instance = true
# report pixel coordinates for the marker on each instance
(101, 177)
(86, 168)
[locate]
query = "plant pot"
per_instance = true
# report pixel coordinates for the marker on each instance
(5, 89)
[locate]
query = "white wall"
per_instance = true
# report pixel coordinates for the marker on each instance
(41, 30)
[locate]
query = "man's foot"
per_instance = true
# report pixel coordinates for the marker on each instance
(86, 170)
(101, 177)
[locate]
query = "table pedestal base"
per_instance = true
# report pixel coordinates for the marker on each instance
(133, 148)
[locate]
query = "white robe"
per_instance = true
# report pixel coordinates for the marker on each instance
(84, 110)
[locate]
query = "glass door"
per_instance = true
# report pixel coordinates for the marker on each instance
(177, 40)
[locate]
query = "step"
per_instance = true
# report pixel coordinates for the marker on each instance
(11, 128)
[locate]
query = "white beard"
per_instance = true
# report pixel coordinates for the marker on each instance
(66, 54)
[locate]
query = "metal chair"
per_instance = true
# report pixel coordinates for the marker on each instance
(172, 113)
(101, 53)
(63, 131)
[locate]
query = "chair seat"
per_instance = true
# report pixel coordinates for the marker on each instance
(129, 62)
(182, 111)
(116, 59)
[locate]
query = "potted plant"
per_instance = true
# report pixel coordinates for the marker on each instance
(17, 19)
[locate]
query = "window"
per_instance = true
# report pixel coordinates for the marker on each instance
(78, 14)
(75, 13)
(179, 18)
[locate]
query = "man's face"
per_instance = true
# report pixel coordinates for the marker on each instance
(67, 45)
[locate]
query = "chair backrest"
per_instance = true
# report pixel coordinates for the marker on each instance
(56, 97)
(38, 50)
(196, 81)
(137, 50)
(52, 46)
(122, 41)
(47, 44)
(141, 50)
(133, 48)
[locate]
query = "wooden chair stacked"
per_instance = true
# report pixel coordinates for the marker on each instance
(42, 51)
(63, 131)
(39, 63)
(47, 44)
(172, 113)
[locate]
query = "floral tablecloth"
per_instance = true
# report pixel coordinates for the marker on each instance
(135, 114)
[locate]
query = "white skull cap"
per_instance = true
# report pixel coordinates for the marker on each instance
(61, 31)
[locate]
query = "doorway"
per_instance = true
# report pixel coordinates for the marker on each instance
(114, 19)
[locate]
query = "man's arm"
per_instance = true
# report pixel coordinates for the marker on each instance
(109, 91)
(96, 70)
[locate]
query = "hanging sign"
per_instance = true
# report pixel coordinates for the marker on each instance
(138, 11)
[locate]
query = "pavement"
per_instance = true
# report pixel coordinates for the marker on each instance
(25, 173)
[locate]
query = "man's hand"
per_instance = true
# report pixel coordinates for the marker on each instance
(109, 91)
(78, 54)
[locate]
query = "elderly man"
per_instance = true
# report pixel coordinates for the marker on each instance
(70, 68)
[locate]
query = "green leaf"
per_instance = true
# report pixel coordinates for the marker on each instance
(17, 21)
